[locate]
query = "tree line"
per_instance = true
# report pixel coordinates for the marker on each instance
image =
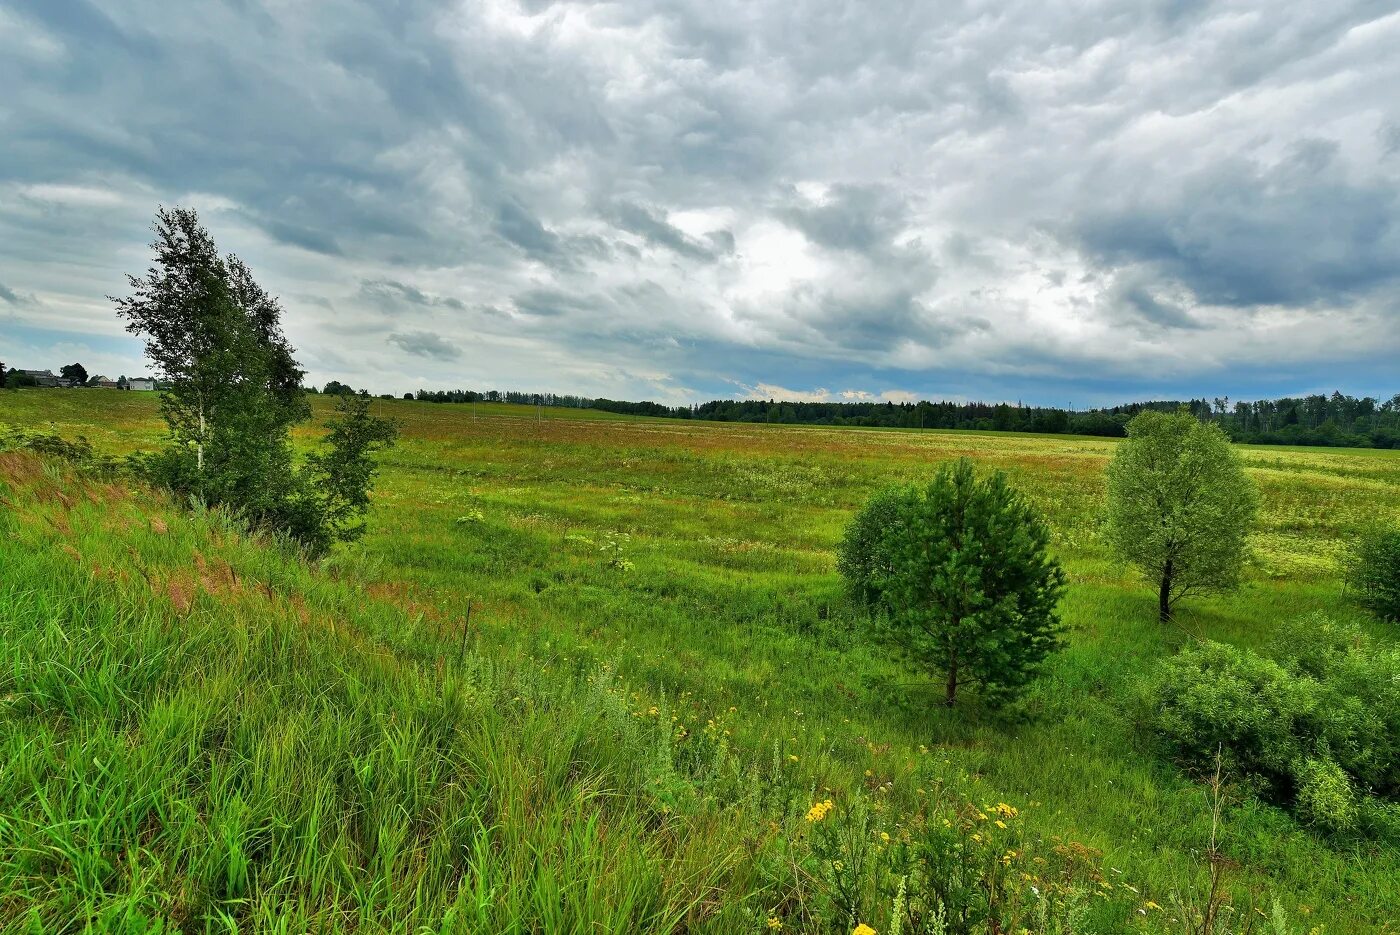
(1335, 420)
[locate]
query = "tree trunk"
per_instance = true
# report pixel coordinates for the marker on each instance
(952, 681)
(1164, 595)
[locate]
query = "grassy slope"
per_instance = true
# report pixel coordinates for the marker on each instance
(731, 597)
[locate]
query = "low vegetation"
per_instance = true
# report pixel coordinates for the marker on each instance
(1314, 724)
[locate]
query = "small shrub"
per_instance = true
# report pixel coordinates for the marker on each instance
(1373, 572)
(77, 453)
(1326, 798)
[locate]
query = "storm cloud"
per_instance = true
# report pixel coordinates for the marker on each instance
(686, 199)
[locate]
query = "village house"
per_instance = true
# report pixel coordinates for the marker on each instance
(42, 377)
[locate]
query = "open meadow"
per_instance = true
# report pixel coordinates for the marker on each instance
(590, 673)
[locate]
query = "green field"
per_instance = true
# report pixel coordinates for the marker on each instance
(659, 676)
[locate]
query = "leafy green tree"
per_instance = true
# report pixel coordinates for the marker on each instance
(962, 566)
(1180, 506)
(232, 392)
(75, 373)
(215, 339)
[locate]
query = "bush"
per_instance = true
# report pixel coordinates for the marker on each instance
(1315, 729)
(862, 557)
(1373, 572)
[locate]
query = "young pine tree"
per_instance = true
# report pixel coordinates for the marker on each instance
(1179, 506)
(963, 570)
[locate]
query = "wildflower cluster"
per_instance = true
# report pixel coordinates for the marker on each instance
(819, 811)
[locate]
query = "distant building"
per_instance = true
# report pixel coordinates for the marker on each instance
(42, 377)
(106, 383)
(141, 384)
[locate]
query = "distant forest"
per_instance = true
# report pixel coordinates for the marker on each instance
(1336, 420)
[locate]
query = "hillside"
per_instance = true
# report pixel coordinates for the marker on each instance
(591, 673)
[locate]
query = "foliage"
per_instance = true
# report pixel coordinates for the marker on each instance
(335, 483)
(79, 452)
(1316, 727)
(233, 391)
(863, 557)
(963, 568)
(951, 866)
(75, 372)
(1179, 506)
(1373, 572)
(233, 387)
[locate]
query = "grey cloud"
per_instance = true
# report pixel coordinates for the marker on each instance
(855, 217)
(551, 303)
(1242, 234)
(1390, 139)
(654, 229)
(390, 294)
(307, 239)
(426, 344)
(517, 225)
(1132, 294)
(9, 295)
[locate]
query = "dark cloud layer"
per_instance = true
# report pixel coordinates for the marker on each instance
(679, 199)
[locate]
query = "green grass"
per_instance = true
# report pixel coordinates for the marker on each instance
(315, 743)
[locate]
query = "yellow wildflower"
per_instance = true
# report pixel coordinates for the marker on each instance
(1001, 824)
(775, 923)
(885, 836)
(792, 757)
(863, 929)
(819, 811)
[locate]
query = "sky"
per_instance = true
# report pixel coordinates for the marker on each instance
(1061, 203)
